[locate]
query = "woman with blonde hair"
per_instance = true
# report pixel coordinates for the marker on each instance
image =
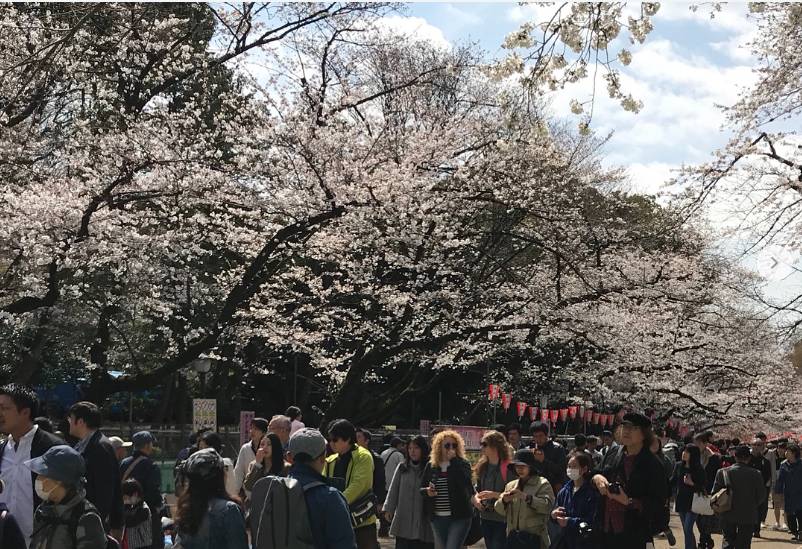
(448, 490)
(492, 473)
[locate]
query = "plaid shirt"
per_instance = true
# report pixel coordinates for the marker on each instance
(614, 511)
(138, 527)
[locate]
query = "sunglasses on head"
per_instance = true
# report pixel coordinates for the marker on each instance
(449, 446)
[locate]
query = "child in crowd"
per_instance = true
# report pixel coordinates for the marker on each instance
(138, 526)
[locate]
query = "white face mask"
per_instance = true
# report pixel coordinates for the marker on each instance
(573, 474)
(39, 487)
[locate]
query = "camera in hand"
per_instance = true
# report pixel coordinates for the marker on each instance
(585, 529)
(614, 488)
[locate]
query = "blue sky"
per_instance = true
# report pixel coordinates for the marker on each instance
(689, 64)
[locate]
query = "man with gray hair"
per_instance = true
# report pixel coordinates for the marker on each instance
(281, 426)
(141, 467)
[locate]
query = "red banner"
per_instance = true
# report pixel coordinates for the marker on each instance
(533, 413)
(589, 416)
(545, 415)
(563, 413)
(494, 392)
(554, 415)
(506, 400)
(574, 410)
(596, 417)
(621, 415)
(521, 408)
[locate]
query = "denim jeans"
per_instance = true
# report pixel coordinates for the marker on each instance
(688, 520)
(495, 533)
(449, 533)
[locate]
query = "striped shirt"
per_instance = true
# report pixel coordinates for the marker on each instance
(442, 505)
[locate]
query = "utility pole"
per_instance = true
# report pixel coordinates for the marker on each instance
(440, 407)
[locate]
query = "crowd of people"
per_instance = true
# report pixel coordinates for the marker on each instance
(337, 493)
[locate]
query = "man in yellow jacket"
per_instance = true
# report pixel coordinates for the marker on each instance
(355, 465)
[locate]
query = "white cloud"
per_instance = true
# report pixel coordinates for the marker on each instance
(416, 28)
(650, 178)
(734, 17)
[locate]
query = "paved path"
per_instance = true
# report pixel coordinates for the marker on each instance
(769, 539)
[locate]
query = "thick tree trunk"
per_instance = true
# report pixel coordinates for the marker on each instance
(31, 359)
(167, 393)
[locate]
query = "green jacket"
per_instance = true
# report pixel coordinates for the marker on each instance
(529, 517)
(358, 478)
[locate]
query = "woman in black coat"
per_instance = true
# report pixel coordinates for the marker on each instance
(448, 489)
(689, 478)
(632, 482)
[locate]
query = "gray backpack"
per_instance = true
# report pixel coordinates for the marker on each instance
(278, 514)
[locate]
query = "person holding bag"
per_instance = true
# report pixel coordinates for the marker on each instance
(690, 479)
(526, 504)
(354, 464)
(492, 475)
(448, 490)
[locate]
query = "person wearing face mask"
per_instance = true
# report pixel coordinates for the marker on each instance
(59, 483)
(576, 503)
(138, 521)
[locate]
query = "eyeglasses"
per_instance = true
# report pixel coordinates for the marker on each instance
(484, 444)
(334, 440)
(449, 446)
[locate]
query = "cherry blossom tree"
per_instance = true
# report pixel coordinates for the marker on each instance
(750, 182)
(203, 180)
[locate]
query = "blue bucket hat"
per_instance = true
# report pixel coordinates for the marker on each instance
(142, 439)
(60, 463)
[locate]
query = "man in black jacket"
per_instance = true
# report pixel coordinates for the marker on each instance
(631, 480)
(103, 481)
(141, 467)
(18, 407)
(759, 462)
(556, 461)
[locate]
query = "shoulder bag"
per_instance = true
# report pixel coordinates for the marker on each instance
(721, 501)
